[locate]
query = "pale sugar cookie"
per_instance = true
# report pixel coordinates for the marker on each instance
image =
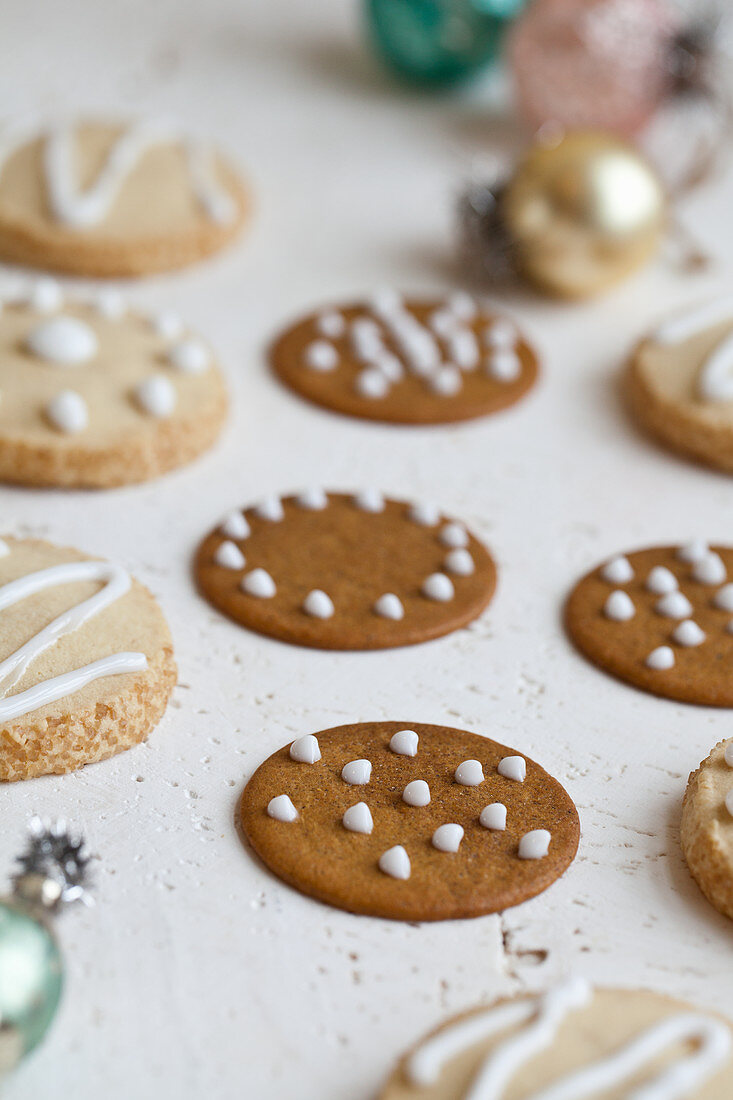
(95, 395)
(86, 660)
(707, 827)
(572, 1042)
(105, 198)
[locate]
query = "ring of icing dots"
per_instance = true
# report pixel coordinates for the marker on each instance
(411, 824)
(93, 394)
(662, 620)
(408, 361)
(340, 571)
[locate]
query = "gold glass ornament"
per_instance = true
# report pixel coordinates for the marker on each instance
(582, 213)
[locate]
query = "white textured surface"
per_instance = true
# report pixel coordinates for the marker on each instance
(198, 974)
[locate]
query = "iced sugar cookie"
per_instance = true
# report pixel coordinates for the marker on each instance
(95, 395)
(707, 827)
(86, 660)
(110, 199)
(572, 1043)
(661, 619)
(407, 360)
(409, 821)
(339, 571)
(680, 383)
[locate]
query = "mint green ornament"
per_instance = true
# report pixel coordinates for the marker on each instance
(435, 42)
(52, 872)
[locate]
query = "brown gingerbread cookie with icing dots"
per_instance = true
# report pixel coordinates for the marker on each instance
(407, 360)
(418, 823)
(94, 394)
(340, 571)
(662, 620)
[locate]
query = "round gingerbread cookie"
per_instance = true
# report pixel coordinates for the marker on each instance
(94, 395)
(105, 198)
(86, 660)
(572, 1042)
(679, 383)
(339, 571)
(662, 620)
(707, 827)
(407, 360)
(419, 824)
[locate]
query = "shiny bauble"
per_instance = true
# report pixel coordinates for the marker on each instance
(436, 42)
(583, 213)
(30, 981)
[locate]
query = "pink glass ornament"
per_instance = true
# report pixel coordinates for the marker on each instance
(599, 64)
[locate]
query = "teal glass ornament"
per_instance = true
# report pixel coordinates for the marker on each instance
(436, 42)
(52, 872)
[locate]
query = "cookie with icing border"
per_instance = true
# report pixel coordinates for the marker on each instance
(679, 384)
(407, 360)
(707, 827)
(108, 198)
(409, 821)
(572, 1041)
(94, 395)
(345, 571)
(662, 620)
(86, 660)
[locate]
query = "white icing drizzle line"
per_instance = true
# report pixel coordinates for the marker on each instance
(543, 1017)
(88, 208)
(684, 326)
(715, 381)
(116, 582)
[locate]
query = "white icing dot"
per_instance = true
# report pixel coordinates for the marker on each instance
(306, 750)
(235, 526)
(674, 605)
(447, 838)
(462, 305)
(729, 802)
(331, 323)
(493, 817)
(446, 381)
(385, 302)
(404, 743)
(693, 551)
(358, 819)
(110, 304)
(661, 580)
(390, 366)
(723, 598)
(535, 845)
(365, 334)
(729, 754)
(258, 583)
(438, 587)
(426, 514)
(321, 356)
(313, 500)
(395, 862)
(503, 365)
(63, 340)
(416, 793)
(229, 555)
(469, 773)
(688, 633)
(369, 500)
(282, 809)
(617, 571)
(619, 606)
(45, 296)
(190, 357)
(68, 412)
(513, 767)
(500, 334)
(660, 658)
(357, 772)
(372, 383)
(709, 570)
(269, 508)
(389, 606)
(156, 395)
(443, 323)
(420, 350)
(318, 604)
(463, 349)
(454, 535)
(167, 324)
(460, 563)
